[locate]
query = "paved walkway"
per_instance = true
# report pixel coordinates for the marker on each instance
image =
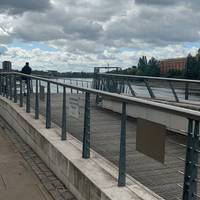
(23, 175)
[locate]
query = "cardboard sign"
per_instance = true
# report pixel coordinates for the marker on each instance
(74, 108)
(150, 139)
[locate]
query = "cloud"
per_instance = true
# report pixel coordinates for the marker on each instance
(122, 25)
(3, 49)
(156, 2)
(87, 33)
(69, 61)
(193, 4)
(20, 6)
(156, 26)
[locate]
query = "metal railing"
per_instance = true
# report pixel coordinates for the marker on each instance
(9, 89)
(120, 83)
(82, 82)
(71, 81)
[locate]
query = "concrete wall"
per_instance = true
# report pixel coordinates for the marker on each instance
(171, 121)
(91, 179)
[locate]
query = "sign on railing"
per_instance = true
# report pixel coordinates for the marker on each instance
(150, 139)
(74, 108)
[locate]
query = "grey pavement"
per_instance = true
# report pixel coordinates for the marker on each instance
(23, 175)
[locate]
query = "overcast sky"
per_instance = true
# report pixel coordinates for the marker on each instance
(76, 35)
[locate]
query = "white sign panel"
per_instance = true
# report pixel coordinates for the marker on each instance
(74, 109)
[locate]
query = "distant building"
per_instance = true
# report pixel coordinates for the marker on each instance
(52, 72)
(172, 63)
(6, 66)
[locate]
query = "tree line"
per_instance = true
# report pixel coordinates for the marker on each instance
(151, 67)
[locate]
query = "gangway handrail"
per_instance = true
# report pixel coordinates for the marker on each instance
(116, 83)
(150, 78)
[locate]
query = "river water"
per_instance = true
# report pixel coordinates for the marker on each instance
(161, 92)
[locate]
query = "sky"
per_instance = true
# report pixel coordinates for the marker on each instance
(78, 35)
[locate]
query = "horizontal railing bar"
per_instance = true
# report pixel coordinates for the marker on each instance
(149, 78)
(68, 79)
(184, 112)
(64, 78)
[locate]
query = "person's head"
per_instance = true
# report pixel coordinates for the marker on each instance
(27, 64)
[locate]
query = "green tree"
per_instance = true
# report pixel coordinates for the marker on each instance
(174, 73)
(153, 67)
(148, 68)
(142, 65)
(192, 70)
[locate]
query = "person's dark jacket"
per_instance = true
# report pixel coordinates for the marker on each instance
(26, 70)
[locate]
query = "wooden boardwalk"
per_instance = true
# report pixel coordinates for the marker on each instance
(105, 136)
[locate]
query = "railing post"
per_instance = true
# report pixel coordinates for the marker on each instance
(196, 146)
(31, 86)
(48, 107)
(82, 86)
(186, 91)
(77, 85)
(36, 101)
(122, 158)
(7, 88)
(191, 162)
(131, 89)
(1, 85)
(64, 116)
(151, 93)
(86, 133)
(15, 89)
(57, 89)
(28, 105)
(10, 87)
(20, 93)
(123, 86)
(173, 91)
(71, 84)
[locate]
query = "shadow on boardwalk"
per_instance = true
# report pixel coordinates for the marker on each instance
(105, 136)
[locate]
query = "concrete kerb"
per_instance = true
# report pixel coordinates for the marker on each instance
(91, 179)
